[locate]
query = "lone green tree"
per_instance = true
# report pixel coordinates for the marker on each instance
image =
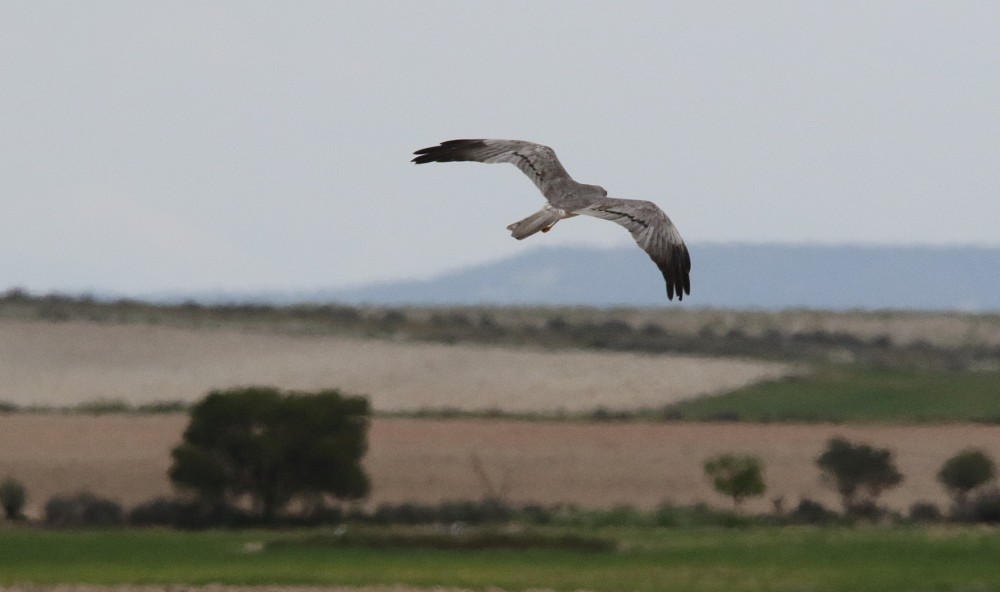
(859, 472)
(271, 446)
(738, 477)
(964, 472)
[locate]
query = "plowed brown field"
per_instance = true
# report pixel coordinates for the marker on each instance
(591, 464)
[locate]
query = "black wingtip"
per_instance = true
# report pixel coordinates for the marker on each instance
(677, 274)
(447, 151)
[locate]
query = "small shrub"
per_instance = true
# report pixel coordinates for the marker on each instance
(704, 515)
(964, 472)
(621, 515)
(405, 513)
(537, 514)
(605, 414)
(446, 512)
(172, 512)
(985, 506)
(666, 515)
(869, 510)
(157, 407)
(103, 407)
(82, 509)
(12, 498)
(321, 515)
(925, 512)
(486, 511)
(738, 477)
(812, 512)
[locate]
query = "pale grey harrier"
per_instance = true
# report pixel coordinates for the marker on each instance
(650, 227)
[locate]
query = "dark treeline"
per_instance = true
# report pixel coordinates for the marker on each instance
(548, 328)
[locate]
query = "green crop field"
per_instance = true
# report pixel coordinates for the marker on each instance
(853, 394)
(646, 559)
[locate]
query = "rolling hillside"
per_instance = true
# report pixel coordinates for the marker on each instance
(739, 276)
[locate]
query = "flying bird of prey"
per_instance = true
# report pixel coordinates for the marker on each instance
(650, 227)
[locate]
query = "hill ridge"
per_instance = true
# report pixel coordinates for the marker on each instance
(724, 275)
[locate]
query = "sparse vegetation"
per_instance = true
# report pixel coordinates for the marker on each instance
(100, 407)
(82, 509)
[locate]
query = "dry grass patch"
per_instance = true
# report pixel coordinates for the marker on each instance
(63, 364)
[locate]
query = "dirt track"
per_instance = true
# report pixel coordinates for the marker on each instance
(594, 465)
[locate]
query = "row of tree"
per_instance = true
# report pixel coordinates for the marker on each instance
(860, 473)
(263, 448)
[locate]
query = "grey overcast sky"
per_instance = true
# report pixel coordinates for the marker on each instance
(241, 145)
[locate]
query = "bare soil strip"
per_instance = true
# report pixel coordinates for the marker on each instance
(590, 464)
(62, 364)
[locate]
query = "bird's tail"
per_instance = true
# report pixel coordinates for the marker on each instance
(543, 220)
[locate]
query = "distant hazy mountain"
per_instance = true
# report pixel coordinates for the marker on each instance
(723, 275)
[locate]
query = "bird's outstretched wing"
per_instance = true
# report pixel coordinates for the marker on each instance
(655, 233)
(535, 160)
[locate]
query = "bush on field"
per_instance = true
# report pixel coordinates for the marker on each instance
(157, 407)
(665, 515)
(859, 473)
(82, 509)
(923, 511)
(620, 515)
(12, 498)
(171, 512)
(195, 515)
(811, 512)
(984, 507)
(404, 513)
(964, 472)
(702, 514)
(738, 477)
(103, 407)
(446, 512)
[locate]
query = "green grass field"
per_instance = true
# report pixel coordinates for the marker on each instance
(853, 394)
(704, 559)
